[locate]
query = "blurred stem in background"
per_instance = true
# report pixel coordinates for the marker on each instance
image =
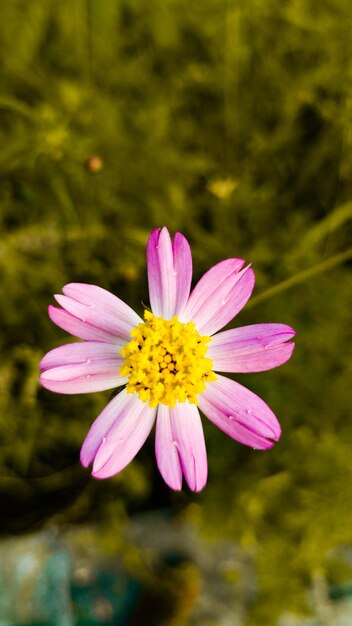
(300, 277)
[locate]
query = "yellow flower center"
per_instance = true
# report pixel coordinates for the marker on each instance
(166, 361)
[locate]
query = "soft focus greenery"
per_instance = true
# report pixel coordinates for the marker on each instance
(230, 121)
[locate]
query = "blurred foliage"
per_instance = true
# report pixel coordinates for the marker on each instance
(230, 121)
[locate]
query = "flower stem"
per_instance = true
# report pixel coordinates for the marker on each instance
(302, 276)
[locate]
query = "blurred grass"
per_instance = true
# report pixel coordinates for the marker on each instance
(231, 122)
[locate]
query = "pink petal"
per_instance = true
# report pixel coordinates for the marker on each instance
(131, 427)
(101, 426)
(218, 296)
(185, 433)
(103, 301)
(80, 352)
(166, 450)
(251, 348)
(240, 413)
(183, 268)
(87, 377)
(79, 328)
(169, 272)
(115, 324)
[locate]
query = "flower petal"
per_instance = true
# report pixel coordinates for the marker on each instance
(183, 268)
(169, 272)
(113, 317)
(166, 451)
(82, 367)
(131, 427)
(240, 413)
(186, 429)
(80, 352)
(251, 348)
(98, 298)
(101, 426)
(218, 296)
(78, 328)
(85, 377)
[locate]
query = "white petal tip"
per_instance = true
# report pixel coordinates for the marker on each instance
(176, 487)
(46, 382)
(99, 474)
(197, 488)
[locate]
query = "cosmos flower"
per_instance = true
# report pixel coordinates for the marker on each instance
(168, 363)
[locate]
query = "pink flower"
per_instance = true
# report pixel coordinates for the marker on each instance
(167, 363)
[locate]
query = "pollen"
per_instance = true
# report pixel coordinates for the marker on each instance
(166, 362)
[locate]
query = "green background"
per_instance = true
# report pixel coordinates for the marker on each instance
(229, 121)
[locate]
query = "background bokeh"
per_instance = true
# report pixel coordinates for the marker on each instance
(230, 121)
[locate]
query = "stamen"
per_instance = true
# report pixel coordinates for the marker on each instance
(166, 361)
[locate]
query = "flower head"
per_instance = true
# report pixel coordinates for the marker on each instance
(168, 362)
